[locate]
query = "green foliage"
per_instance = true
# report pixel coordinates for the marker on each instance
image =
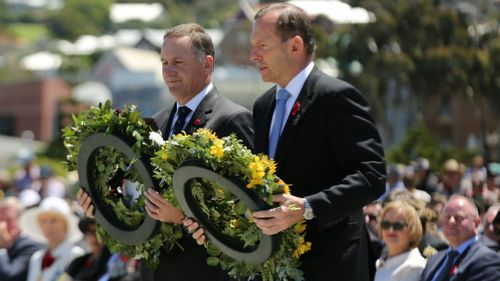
(109, 163)
(229, 157)
(29, 33)
(79, 17)
(418, 142)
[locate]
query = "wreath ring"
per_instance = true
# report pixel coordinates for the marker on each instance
(192, 169)
(103, 215)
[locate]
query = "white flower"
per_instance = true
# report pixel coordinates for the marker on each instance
(156, 138)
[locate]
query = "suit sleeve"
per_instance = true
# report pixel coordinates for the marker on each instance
(16, 269)
(357, 152)
(241, 123)
(485, 268)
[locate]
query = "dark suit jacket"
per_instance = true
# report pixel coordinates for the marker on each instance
(215, 112)
(14, 265)
(223, 117)
(478, 264)
(331, 153)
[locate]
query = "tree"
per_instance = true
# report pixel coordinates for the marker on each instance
(79, 17)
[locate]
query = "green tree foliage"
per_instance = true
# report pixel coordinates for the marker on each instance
(79, 17)
(418, 142)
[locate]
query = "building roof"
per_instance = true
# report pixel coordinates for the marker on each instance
(335, 10)
(120, 13)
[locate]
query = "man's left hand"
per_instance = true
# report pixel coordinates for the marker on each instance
(159, 209)
(290, 212)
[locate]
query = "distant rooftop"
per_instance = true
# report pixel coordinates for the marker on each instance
(135, 11)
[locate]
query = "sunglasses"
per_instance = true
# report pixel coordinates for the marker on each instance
(396, 226)
(372, 217)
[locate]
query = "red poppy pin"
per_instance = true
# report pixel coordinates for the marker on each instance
(296, 108)
(453, 270)
(197, 122)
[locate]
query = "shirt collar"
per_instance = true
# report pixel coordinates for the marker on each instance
(295, 85)
(462, 247)
(196, 100)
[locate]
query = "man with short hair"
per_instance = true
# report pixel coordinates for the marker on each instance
(320, 132)
(489, 238)
(188, 60)
(15, 248)
(466, 259)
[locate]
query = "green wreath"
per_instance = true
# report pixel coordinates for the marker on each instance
(112, 167)
(229, 157)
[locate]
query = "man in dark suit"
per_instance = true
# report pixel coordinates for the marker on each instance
(466, 259)
(15, 249)
(187, 57)
(490, 238)
(325, 143)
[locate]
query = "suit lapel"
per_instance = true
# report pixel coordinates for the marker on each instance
(440, 256)
(164, 121)
(298, 111)
(203, 112)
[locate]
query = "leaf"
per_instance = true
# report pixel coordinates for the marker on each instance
(213, 261)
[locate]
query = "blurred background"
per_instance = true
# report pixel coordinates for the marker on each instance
(430, 69)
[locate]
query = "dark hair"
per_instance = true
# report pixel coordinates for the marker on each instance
(292, 21)
(201, 43)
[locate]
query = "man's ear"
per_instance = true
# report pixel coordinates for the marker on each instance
(297, 44)
(209, 64)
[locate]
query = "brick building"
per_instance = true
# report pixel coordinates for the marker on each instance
(32, 106)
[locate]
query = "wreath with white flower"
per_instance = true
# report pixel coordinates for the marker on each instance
(112, 168)
(228, 157)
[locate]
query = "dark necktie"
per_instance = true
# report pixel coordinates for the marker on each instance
(281, 98)
(182, 112)
(47, 260)
(444, 275)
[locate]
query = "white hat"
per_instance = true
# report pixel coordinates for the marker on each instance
(29, 219)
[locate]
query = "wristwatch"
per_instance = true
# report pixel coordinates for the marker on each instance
(308, 210)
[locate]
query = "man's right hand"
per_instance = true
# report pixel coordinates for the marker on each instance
(197, 232)
(6, 238)
(85, 202)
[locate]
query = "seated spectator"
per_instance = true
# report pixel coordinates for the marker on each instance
(15, 249)
(451, 178)
(409, 184)
(425, 179)
(49, 185)
(99, 264)
(394, 180)
(401, 230)
(25, 177)
(372, 214)
(431, 242)
(465, 259)
(53, 224)
(489, 238)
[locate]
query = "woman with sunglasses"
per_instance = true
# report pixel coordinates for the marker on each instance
(401, 230)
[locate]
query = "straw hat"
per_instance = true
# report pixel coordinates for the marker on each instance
(29, 219)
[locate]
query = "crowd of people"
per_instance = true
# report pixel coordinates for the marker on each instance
(414, 230)
(425, 226)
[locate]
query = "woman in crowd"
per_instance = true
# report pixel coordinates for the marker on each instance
(401, 230)
(54, 225)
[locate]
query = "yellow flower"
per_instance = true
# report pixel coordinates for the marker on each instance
(233, 223)
(300, 227)
(207, 133)
(302, 248)
(217, 149)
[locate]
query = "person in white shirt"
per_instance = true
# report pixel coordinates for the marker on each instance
(54, 225)
(401, 230)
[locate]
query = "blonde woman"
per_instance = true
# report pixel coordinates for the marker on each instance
(401, 230)
(54, 225)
